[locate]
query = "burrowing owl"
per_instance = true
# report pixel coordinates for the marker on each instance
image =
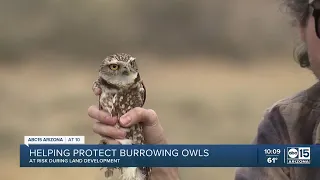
(122, 89)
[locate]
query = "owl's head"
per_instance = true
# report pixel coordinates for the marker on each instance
(119, 69)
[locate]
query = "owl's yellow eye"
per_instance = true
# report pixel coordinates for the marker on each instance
(114, 66)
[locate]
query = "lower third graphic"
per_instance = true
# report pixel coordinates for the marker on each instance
(298, 155)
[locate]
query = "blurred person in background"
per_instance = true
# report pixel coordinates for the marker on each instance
(293, 120)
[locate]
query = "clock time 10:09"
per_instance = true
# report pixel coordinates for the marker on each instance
(272, 151)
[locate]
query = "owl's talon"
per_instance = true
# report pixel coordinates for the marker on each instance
(108, 172)
(103, 141)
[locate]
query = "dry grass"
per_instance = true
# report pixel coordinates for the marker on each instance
(197, 102)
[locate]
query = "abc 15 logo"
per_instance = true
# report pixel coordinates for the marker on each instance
(300, 153)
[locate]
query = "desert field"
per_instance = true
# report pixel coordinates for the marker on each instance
(196, 100)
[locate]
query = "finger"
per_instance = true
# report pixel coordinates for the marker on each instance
(137, 115)
(108, 131)
(102, 116)
(97, 91)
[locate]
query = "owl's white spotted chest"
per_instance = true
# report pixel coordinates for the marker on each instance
(119, 102)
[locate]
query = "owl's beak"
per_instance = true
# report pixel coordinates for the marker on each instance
(126, 73)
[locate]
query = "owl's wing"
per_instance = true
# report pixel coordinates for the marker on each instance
(97, 84)
(100, 107)
(143, 94)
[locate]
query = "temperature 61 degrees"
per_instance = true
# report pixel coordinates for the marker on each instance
(272, 160)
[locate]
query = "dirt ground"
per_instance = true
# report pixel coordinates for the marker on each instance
(197, 102)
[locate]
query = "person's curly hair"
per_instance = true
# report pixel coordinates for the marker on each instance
(299, 10)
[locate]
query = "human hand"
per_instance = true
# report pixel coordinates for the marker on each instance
(153, 131)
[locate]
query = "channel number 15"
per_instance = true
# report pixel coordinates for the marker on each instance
(304, 153)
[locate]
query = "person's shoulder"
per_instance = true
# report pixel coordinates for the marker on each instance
(303, 100)
(280, 121)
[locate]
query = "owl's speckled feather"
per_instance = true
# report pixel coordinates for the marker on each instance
(122, 90)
